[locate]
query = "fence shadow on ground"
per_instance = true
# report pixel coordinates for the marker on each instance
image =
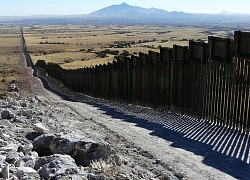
(39, 73)
(223, 148)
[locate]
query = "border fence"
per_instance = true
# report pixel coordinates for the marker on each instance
(205, 80)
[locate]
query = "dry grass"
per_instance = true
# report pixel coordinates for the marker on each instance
(101, 165)
(61, 44)
(10, 53)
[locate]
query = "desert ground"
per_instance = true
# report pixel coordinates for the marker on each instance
(74, 46)
(152, 144)
(10, 53)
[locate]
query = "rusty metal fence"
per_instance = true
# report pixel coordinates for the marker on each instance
(205, 80)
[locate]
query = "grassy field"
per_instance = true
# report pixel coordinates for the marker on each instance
(10, 53)
(74, 46)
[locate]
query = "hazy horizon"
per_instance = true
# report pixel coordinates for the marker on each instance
(73, 7)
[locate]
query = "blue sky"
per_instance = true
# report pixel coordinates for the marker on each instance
(68, 7)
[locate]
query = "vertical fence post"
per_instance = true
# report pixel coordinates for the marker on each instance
(165, 77)
(197, 76)
(127, 79)
(105, 81)
(115, 79)
(142, 78)
(119, 79)
(134, 77)
(178, 78)
(153, 78)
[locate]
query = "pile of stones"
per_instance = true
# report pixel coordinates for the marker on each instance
(30, 149)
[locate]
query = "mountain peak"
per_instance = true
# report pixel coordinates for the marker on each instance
(124, 4)
(127, 10)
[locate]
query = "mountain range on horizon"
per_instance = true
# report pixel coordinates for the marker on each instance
(125, 13)
(128, 12)
(125, 9)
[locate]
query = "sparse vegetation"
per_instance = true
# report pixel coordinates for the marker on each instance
(68, 60)
(101, 165)
(101, 54)
(3, 94)
(113, 52)
(122, 55)
(51, 42)
(91, 45)
(10, 55)
(90, 50)
(121, 44)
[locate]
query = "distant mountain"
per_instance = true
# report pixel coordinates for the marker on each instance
(124, 13)
(127, 14)
(126, 10)
(134, 14)
(225, 12)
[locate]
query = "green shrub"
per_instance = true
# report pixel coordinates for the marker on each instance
(114, 52)
(90, 50)
(3, 94)
(51, 63)
(101, 54)
(68, 60)
(122, 55)
(3, 80)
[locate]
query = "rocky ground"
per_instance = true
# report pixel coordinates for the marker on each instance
(55, 133)
(43, 137)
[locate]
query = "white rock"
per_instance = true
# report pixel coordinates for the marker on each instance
(27, 113)
(39, 112)
(10, 147)
(49, 167)
(34, 154)
(5, 136)
(40, 128)
(2, 159)
(40, 98)
(26, 173)
(27, 148)
(20, 163)
(117, 159)
(83, 149)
